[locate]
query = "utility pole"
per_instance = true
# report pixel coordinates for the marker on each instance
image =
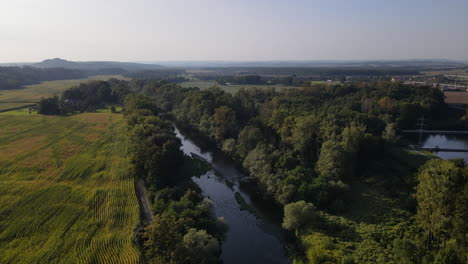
(421, 126)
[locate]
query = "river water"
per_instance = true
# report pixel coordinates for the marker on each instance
(446, 141)
(250, 239)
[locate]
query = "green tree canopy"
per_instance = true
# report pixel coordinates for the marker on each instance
(330, 163)
(436, 194)
(297, 214)
(202, 247)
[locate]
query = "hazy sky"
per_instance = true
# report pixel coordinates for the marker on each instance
(151, 30)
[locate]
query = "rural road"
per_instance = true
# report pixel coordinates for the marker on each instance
(140, 190)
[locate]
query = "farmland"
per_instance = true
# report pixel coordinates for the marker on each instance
(456, 97)
(65, 190)
(31, 94)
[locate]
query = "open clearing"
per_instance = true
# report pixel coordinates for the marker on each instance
(65, 191)
(31, 94)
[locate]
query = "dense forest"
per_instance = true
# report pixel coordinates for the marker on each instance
(16, 77)
(320, 152)
(313, 149)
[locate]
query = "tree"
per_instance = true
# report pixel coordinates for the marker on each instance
(435, 195)
(201, 246)
(406, 252)
(163, 240)
(297, 214)
(248, 140)
(330, 163)
(260, 163)
(134, 102)
(352, 137)
(390, 133)
(49, 106)
(224, 121)
(387, 104)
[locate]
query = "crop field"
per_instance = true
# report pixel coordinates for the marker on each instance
(66, 194)
(10, 99)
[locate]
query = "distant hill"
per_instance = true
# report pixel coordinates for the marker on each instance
(95, 65)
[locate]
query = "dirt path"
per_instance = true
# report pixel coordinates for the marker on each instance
(145, 206)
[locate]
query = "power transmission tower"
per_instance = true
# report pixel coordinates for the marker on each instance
(421, 126)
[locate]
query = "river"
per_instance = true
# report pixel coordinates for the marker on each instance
(445, 141)
(249, 239)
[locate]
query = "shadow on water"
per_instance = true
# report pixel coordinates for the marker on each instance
(254, 234)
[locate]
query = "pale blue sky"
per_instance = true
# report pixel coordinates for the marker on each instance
(152, 30)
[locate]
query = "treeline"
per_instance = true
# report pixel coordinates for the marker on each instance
(93, 95)
(306, 147)
(304, 71)
(171, 75)
(16, 77)
(183, 229)
(86, 97)
(251, 79)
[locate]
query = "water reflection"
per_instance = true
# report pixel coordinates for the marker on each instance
(446, 141)
(249, 240)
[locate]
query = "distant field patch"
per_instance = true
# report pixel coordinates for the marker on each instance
(447, 72)
(456, 97)
(66, 194)
(199, 84)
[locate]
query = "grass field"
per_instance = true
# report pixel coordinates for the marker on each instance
(33, 93)
(65, 191)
